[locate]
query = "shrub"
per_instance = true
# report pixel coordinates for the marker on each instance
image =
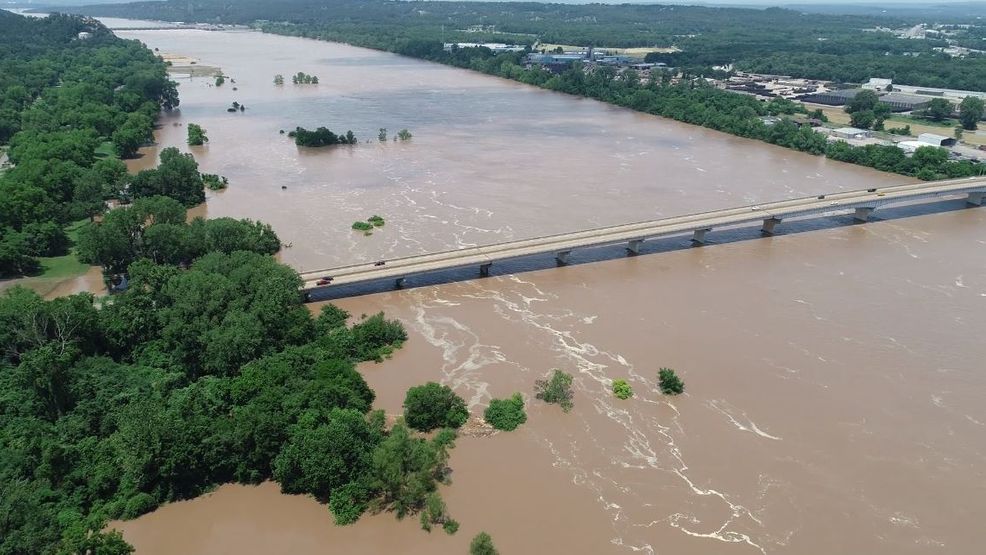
(622, 389)
(215, 182)
(362, 226)
(196, 135)
(556, 389)
(431, 406)
(377, 221)
(348, 503)
(506, 414)
(482, 544)
(404, 135)
(670, 383)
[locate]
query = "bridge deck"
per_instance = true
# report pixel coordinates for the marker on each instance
(479, 256)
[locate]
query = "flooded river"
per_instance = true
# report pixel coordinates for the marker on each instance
(834, 372)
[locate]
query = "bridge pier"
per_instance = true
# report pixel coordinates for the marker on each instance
(562, 257)
(698, 236)
(768, 225)
(975, 199)
(399, 283)
(484, 269)
(862, 213)
(633, 246)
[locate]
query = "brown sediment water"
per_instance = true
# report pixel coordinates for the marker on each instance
(50, 288)
(834, 372)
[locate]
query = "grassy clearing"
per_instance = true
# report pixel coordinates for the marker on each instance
(66, 266)
(55, 269)
(106, 150)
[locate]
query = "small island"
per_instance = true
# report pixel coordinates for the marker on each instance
(370, 223)
(301, 78)
(321, 137)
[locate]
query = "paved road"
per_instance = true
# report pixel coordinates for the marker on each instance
(861, 203)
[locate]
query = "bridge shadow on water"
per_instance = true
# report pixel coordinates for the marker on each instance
(590, 255)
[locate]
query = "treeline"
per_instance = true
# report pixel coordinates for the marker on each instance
(321, 137)
(770, 40)
(156, 229)
(61, 98)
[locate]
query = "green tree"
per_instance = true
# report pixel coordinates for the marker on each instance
(939, 109)
(622, 389)
(482, 544)
(506, 414)
(322, 456)
(432, 405)
(971, 110)
(406, 469)
(669, 382)
(865, 100)
(555, 388)
(177, 176)
(196, 135)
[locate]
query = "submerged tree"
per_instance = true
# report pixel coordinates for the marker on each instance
(556, 389)
(670, 383)
(482, 544)
(506, 414)
(432, 405)
(196, 135)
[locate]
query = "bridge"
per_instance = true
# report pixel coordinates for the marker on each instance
(768, 215)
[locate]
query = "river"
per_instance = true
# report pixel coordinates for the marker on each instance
(834, 372)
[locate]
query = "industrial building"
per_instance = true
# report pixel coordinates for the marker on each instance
(900, 102)
(831, 98)
(496, 47)
(936, 140)
(851, 133)
(953, 95)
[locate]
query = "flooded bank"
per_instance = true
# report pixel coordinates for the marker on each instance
(833, 373)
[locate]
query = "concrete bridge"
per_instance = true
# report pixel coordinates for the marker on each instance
(767, 215)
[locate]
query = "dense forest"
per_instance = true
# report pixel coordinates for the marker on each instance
(69, 89)
(206, 369)
(772, 40)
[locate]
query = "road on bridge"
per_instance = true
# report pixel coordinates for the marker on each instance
(861, 203)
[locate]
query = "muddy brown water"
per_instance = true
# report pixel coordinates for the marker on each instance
(834, 372)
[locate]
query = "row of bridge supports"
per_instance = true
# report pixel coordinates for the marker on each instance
(860, 214)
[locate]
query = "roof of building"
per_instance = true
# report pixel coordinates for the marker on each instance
(843, 93)
(904, 98)
(911, 145)
(850, 131)
(933, 138)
